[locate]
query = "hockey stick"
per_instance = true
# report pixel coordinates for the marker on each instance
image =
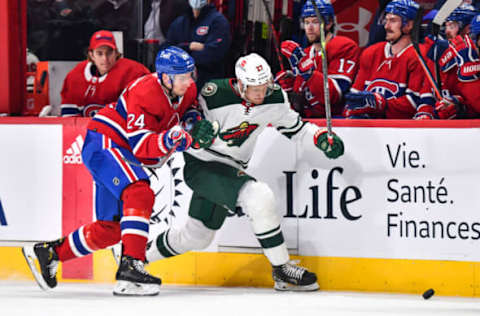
(276, 39)
(442, 14)
(158, 165)
(415, 39)
(326, 91)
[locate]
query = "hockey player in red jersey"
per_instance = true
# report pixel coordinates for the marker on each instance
(307, 78)
(390, 81)
(144, 125)
(458, 21)
(461, 76)
(100, 79)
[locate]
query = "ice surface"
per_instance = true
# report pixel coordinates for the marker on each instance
(85, 299)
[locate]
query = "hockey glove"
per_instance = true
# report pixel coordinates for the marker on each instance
(293, 52)
(190, 118)
(333, 148)
(169, 139)
(450, 108)
(204, 133)
(364, 102)
(304, 72)
(467, 59)
(285, 79)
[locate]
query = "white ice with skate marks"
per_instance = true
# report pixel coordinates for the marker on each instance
(26, 298)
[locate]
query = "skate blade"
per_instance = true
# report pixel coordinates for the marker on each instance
(30, 257)
(126, 288)
(284, 286)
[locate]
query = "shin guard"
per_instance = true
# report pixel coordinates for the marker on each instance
(138, 201)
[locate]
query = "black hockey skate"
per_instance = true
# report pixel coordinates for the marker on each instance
(45, 254)
(133, 280)
(290, 277)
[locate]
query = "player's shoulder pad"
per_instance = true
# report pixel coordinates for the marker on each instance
(219, 92)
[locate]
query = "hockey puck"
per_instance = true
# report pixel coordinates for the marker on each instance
(428, 293)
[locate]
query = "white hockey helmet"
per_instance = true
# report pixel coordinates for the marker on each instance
(253, 70)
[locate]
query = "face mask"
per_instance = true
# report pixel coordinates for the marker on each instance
(197, 4)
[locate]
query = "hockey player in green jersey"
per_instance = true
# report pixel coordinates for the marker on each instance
(243, 107)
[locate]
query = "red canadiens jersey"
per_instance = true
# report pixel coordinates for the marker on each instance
(451, 85)
(83, 94)
(398, 78)
(342, 57)
(142, 113)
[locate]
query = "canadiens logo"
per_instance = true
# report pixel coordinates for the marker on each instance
(236, 136)
(92, 109)
(202, 30)
(385, 87)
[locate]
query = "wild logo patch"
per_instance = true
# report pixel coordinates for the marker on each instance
(236, 136)
(209, 89)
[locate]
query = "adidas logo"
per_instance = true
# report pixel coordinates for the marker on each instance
(73, 153)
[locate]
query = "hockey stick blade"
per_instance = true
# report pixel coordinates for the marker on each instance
(441, 16)
(445, 11)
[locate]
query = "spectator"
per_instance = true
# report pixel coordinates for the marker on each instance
(100, 79)
(205, 34)
(390, 81)
(342, 57)
(162, 14)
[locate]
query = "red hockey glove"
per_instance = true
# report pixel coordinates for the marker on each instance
(293, 52)
(304, 72)
(451, 108)
(168, 139)
(467, 58)
(285, 79)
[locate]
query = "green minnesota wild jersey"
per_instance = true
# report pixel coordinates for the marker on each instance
(242, 122)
